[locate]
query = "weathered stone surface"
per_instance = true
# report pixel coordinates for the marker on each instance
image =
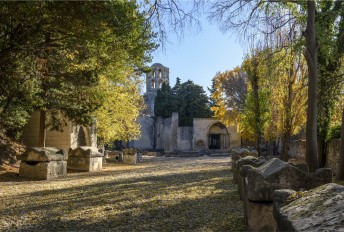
(114, 156)
(252, 162)
(237, 154)
(258, 216)
(332, 154)
(87, 164)
(297, 149)
(320, 209)
(43, 154)
(277, 174)
(43, 170)
(84, 152)
(85, 159)
(130, 156)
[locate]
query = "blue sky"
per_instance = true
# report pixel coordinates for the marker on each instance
(200, 55)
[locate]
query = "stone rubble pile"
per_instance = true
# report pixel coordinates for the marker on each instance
(320, 209)
(258, 179)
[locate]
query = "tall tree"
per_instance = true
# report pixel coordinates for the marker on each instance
(165, 102)
(331, 73)
(340, 174)
(59, 50)
(230, 90)
(188, 99)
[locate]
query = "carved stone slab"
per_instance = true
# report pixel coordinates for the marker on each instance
(320, 209)
(43, 154)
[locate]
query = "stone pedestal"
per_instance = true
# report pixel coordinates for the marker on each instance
(85, 159)
(43, 163)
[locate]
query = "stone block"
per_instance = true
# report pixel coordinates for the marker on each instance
(320, 209)
(276, 174)
(261, 182)
(252, 162)
(87, 159)
(259, 216)
(43, 163)
(130, 156)
(114, 156)
(43, 170)
(43, 154)
(237, 154)
(84, 151)
(87, 164)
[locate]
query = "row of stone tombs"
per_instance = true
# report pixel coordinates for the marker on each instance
(46, 163)
(279, 196)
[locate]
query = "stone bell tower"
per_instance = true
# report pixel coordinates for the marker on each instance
(154, 79)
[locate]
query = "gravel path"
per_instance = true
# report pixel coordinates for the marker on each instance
(159, 194)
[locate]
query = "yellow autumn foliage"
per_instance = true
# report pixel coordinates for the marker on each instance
(117, 118)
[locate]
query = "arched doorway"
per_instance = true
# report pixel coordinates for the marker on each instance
(218, 136)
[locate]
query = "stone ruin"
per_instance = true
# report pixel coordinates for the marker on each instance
(87, 159)
(131, 156)
(237, 154)
(43, 163)
(259, 184)
(248, 160)
(114, 156)
(320, 209)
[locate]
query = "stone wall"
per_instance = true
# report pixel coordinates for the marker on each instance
(184, 138)
(31, 130)
(201, 129)
(59, 139)
(146, 140)
(53, 138)
(200, 132)
(297, 149)
(234, 136)
(332, 150)
(163, 133)
(68, 138)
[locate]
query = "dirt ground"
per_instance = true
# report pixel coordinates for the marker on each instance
(158, 194)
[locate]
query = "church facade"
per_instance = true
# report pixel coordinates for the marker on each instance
(164, 134)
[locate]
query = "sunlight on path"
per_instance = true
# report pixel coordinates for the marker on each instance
(159, 194)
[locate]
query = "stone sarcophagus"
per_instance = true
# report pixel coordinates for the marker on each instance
(87, 159)
(260, 184)
(320, 209)
(43, 163)
(237, 154)
(252, 162)
(114, 156)
(131, 156)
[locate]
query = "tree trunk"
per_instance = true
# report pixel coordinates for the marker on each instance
(255, 88)
(285, 147)
(340, 173)
(311, 54)
(321, 151)
(42, 130)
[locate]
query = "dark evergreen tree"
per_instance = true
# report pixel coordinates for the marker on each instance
(188, 99)
(164, 102)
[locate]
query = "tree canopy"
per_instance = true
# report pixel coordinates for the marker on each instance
(57, 57)
(188, 99)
